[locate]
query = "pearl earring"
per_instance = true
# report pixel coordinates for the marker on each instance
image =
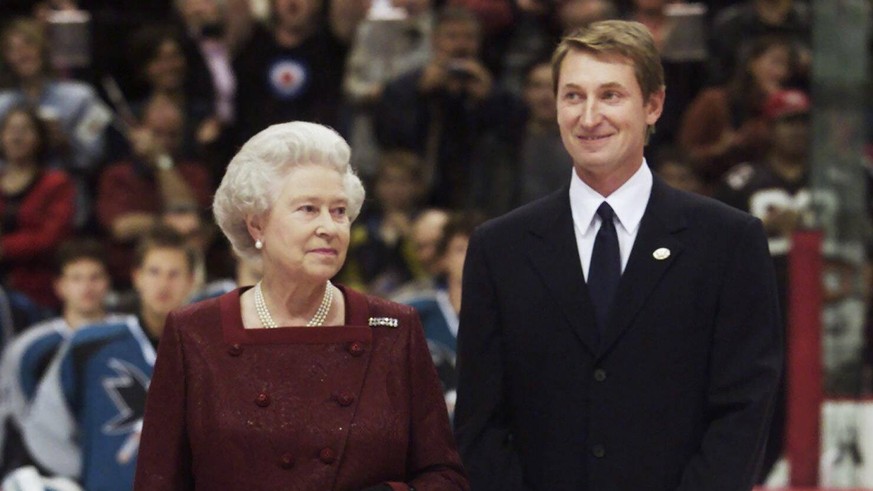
(258, 244)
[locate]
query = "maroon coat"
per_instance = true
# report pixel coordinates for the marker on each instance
(296, 408)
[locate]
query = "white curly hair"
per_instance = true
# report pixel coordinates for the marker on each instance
(250, 183)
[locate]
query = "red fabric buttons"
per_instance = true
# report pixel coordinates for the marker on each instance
(235, 350)
(356, 348)
(263, 399)
(286, 461)
(344, 399)
(327, 455)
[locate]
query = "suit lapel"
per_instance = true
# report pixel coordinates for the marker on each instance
(658, 228)
(551, 247)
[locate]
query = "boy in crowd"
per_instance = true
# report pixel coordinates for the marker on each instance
(86, 416)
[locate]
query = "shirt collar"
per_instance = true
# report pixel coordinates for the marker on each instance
(628, 202)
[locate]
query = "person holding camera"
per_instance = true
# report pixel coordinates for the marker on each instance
(440, 110)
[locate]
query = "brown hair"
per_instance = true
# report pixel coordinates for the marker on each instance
(164, 237)
(30, 30)
(74, 250)
(628, 39)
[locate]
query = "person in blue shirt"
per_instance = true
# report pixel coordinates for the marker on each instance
(85, 419)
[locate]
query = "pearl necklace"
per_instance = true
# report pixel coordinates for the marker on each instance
(317, 320)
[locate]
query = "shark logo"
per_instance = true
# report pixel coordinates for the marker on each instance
(127, 390)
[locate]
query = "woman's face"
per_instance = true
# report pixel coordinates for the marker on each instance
(771, 68)
(166, 70)
(22, 55)
(396, 189)
(306, 232)
(19, 137)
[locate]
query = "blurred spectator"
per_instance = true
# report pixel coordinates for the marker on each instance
(36, 205)
(86, 415)
(741, 23)
(525, 159)
(133, 193)
(81, 282)
(441, 110)
(380, 256)
(76, 118)
(671, 165)
(425, 234)
(776, 190)
(532, 38)
(439, 310)
(75, 115)
(383, 49)
(496, 18)
(294, 69)
(214, 32)
(723, 126)
(157, 55)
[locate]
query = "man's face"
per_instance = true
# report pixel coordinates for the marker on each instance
(164, 280)
(538, 95)
(456, 39)
(790, 136)
(603, 117)
(82, 287)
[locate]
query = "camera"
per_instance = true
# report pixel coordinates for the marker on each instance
(458, 71)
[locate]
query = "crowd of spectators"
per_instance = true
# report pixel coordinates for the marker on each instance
(448, 106)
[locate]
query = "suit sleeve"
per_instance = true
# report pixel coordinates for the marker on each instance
(745, 369)
(434, 464)
(164, 461)
(482, 422)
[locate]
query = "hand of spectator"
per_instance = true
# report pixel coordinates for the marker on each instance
(479, 83)
(433, 78)
(144, 145)
(208, 131)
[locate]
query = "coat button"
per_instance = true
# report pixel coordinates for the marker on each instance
(344, 399)
(235, 350)
(327, 455)
(263, 399)
(600, 375)
(286, 461)
(356, 348)
(599, 451)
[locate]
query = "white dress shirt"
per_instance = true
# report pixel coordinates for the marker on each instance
(628, 202)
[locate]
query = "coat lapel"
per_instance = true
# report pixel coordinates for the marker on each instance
(552, 249)
(658, 228)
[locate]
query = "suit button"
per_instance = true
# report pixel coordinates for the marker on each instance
(327, 455)
(286, 461)
(600, 375)
(263, 399)
(235, 350)
(599, 451)
(344, 399)
(356, 348)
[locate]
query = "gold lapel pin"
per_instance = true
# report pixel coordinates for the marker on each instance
(661, 253)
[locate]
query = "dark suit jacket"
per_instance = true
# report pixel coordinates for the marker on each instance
(675, 396)
(296, 408)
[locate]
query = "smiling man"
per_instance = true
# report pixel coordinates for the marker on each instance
(618, 334)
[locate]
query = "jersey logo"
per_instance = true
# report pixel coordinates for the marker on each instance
(288, 78)
(127, 390)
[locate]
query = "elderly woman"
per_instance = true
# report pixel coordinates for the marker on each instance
(295, 383)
